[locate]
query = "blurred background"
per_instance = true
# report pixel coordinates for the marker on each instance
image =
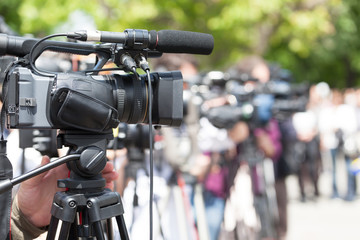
(316, 40)
(307, 37)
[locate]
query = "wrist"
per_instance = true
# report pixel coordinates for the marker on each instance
(22, 226)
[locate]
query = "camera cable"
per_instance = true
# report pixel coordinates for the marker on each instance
(146, 68)
(144, 65)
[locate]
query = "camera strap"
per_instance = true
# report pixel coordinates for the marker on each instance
(6, 172)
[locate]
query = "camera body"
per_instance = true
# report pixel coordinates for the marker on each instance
(94, 103)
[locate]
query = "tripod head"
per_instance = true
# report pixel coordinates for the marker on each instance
(85, 203)
(92, 150)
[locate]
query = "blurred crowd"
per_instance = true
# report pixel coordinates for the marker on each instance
(222, 173)
(333, 125)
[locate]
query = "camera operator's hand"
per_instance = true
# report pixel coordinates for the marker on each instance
(35, 195)
(239, 132)
(265, 143)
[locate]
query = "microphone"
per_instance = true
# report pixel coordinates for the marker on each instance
(173, 41)
(167, 41)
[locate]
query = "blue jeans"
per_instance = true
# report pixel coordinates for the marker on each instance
(333, 152)
(351, 178)
(214, 207)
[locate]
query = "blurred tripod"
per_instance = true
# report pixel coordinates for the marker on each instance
(86, 204)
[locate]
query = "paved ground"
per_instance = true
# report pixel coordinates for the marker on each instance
(325, 218)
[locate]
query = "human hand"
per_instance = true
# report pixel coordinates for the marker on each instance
(265, 144)
(239, 133)
(110, 175)
(35, 195)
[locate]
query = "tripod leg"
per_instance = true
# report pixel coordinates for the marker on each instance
(122, 227)
(65, 230)
(110, 229)
(98, 231)
(52, 228)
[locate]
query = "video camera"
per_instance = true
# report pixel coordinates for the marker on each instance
(289, 97)
(36, 99)
(253, 102)
(128, 135)
(133, 137)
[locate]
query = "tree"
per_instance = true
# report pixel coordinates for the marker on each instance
(316, 39)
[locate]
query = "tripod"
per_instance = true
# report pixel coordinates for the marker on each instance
(85, 205)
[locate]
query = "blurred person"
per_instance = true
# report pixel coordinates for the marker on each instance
(226, 176)
(288, 164)
(217, 165)
(338, 125)
(350, 97)
(180, 150)
(357, 93)
(268, 140)
(215, 144)
(357, 110)
(267, 136)
(346, 117)
(210, 154)
(331, 135)
(306, 126)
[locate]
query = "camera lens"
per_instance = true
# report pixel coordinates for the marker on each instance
(132, 99)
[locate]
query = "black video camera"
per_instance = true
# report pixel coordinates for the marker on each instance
(130, 135)
(257, 103)
(235, 99)
(86, 101)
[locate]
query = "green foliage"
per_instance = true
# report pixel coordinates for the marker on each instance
(317, 40)
(8, 11)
